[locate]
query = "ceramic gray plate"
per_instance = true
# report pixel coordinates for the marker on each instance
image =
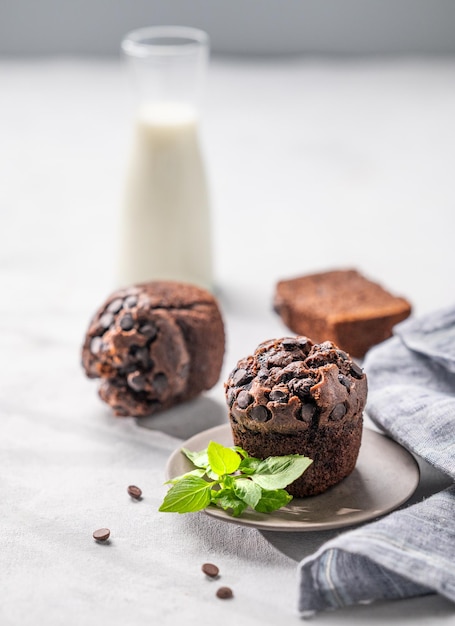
(385, 476)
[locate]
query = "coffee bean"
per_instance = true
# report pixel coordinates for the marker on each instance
(356, 370)
(279, 395)
(136, 381)
(210, 570)
(115, 305)
(244, 399)
(225, 593)
(135, 492)
(106, 320)
(338, 412)
(102, 534)
(127, 322)
(260, 413)
(160, 383)
(130, 301)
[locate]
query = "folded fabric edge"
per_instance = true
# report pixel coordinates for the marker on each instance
(322, 589)
(369, 563)
(412, 431)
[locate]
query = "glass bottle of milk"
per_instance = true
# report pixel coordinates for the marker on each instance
(165, 223)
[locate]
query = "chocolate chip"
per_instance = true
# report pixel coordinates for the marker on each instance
(210, 570)
(149, 330)
(106, 320)
(143, 355)
(304, 343)
(136, 381)
(338, 412)
(343, 355)
(356, 370)
(135, 492)
(241, 376)
(260, 413)
(280, 359)
(279, 395)
(95, 345)
(307, 412)
(344, 381)
(244, 399)
(130, 301)
(117, 382)
(326, 345)
(97, 329)
(225, 593)
(289, 343)
(230, 397)
(119, 410)
(127, 322)
(160, 383)
(302, 387)
(102, 534)
(263, 373)
(115, 305)
(184, 371)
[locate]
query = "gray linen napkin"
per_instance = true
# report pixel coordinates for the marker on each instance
(409, 552)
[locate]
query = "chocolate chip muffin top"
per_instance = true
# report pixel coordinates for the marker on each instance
(292, 384)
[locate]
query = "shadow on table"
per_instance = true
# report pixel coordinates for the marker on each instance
(187, 419)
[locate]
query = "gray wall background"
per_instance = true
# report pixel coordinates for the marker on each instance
(253, 27)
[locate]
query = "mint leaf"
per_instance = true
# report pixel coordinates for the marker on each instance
(277, 472)
(199, 459)
(241, 451)
(249, 465)
(222, 460)
(228, 501)
(196, 472)
(190, 494)
(272, 500)
(231, 479)
(247, 491)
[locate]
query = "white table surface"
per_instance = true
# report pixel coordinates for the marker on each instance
(313, 165)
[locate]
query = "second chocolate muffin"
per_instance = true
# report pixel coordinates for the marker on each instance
(154, 345)
(295, 397)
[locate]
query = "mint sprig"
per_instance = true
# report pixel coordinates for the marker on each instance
(232, 480)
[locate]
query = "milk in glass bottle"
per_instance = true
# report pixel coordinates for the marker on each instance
(165, 223)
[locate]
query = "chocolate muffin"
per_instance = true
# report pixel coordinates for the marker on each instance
(153, 346)
(296, 397)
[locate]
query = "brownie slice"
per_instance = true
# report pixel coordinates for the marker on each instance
(341, 306)
(295, 397)
(154, 345)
